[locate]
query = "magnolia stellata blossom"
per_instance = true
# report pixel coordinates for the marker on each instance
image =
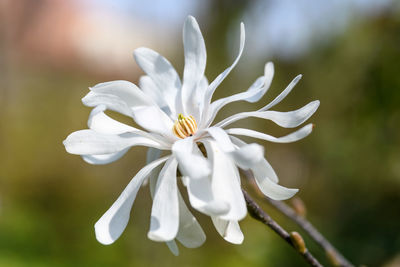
(176, 117)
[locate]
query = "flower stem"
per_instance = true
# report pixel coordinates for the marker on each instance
(257, 213)
(334, 256)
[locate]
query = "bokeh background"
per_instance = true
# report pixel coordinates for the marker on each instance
(348, 170)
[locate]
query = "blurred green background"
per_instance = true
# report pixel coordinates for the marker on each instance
(348, 169)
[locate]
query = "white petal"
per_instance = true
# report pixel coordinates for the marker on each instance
(248, 156)
(152, 154)
(173, 247)
(211, 88)
(262, 167)
(100, 122)
(289, 119)
(226, 182)
(112, 102)
(190, 233)
(150, 89)
(203, 199)
(295, 136)
(268, 74)
(245, 157)
(222, 138)
(154, 120)
(161, 72)
(105, 158)
(126, 91)
(229, 230)
(111, 225)
(165, 211)
(272, 189)
(195, 63)
(89, 142)
(256, 91)
(191, 163)
(284, 93)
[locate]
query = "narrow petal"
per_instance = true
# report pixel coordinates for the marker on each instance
(222, 138)
(248, 156)
(104, 159)
(195, 62)
(89, 142)
(173, 247)
(165, 211)
(295, 136)
(111, 225)
(112, 102)
(161, 72)
(272, 189)
(151, 90)
(262, 167)
(191, 163)
(255, 92)
(229, 230)
(100, 122)
(203, 199)
(190, 233)
(282, 95)
(154, 120)
(289, 119)
(126, 91)
(226, 182)
(211, 88)
(152, 154)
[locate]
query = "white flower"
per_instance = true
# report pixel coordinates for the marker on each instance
(176, 116)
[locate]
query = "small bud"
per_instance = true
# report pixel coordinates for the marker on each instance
(298, 242)
(298, 206)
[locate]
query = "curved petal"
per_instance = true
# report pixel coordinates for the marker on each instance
(203, 199)
(191, 163)
(100, 122)
(262, 167)
(288, 119)
(112, 102)
(246, 156)
(89, 142)
(165, 211)
(225, 182)
(211, 88)
(126, 91)
(154, 120)
(173, 247)
(229, 230)
(272, 189)
(295, 136)
(111, 225)
(283, 94)
(251, 95)
(151, 90)
(105, 158)
(161, 72)
(195, 63)
(190, 233)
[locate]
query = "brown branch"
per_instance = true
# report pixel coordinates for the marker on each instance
(293, 239)
(334, 256)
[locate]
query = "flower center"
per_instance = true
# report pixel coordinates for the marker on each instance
(184, 126)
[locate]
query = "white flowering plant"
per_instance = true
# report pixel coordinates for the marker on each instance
(176, 119)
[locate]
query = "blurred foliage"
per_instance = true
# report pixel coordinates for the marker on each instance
(348, 169)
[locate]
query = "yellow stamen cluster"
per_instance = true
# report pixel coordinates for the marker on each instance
(184, 126)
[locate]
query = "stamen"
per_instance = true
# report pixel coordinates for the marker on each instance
(184, 126)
